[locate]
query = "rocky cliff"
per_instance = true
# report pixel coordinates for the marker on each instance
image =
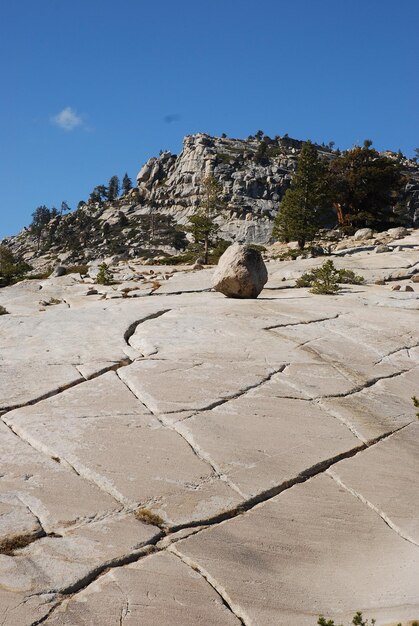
(254, 174)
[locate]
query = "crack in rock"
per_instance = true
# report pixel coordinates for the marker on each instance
(163, 537)
(132, 327)
(304, 323)
(237, 611)
(386, 519)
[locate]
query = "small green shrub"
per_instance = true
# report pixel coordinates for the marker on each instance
(326, 279)
(3, 311)
(357, 620)
(104, 276)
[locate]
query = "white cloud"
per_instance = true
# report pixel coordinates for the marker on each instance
(67, 119)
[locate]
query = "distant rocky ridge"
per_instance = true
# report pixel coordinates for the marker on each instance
(254, 174)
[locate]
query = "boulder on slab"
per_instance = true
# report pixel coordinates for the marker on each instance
(381, 248)
(398, 233)
(241, 272)
(363, 233)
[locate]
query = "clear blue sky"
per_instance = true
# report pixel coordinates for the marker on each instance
(87, 86)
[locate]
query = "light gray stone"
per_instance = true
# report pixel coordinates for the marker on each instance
(241, 273)
(314, 549)
(381, 248)
(159, 589)
(363, 233)
(398, 233)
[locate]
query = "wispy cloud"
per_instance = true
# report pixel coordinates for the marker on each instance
(67, 119)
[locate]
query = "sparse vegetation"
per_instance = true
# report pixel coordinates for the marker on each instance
(201, 224)
(11, 268)
(326, 279)
(357, 620)
(148, 517)
(104, 276)
(416, 405)
(8, 545)
(3, 311)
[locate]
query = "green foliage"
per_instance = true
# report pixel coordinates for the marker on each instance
(416, 404)
(113, 188)
(357, 620)
(365, 188)
(325, 279)
(104, 276)
(3, 311)
(302, 210)
(40, 218)
(201, 223)
(126, 184)
(11, 268)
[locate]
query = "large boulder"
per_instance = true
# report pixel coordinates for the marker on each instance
(241, 272)
(363, 233)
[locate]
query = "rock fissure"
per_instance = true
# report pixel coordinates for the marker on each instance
(152, 547)
(306, 323)
(233, 396)
(219, 589)
(386, 519)
(132, 327)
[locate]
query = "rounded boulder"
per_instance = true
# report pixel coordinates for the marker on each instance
(241, 272)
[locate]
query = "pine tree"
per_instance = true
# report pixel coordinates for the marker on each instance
(126, 184)
(113, 188)
(64, 207)
(302, 210)
(202, 225)
(40, 218)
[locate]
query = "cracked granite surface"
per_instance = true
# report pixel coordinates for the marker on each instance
(272, 444)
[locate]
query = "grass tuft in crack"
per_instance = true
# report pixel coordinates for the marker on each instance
(148, 517)
(17, 542)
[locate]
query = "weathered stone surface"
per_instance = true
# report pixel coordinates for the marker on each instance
(299, 555)
(241, 273)
(215, 407)
(143, 461)
(42, 491)
(386, 479)
(159, 589)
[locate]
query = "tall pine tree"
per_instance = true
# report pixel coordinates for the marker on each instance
(201, 223)
(302, 209)
(126, 184)
(113, 188)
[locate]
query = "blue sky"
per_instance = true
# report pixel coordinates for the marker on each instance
(88, 86)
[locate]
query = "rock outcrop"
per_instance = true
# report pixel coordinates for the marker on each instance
(241, 272)
(253, 174)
